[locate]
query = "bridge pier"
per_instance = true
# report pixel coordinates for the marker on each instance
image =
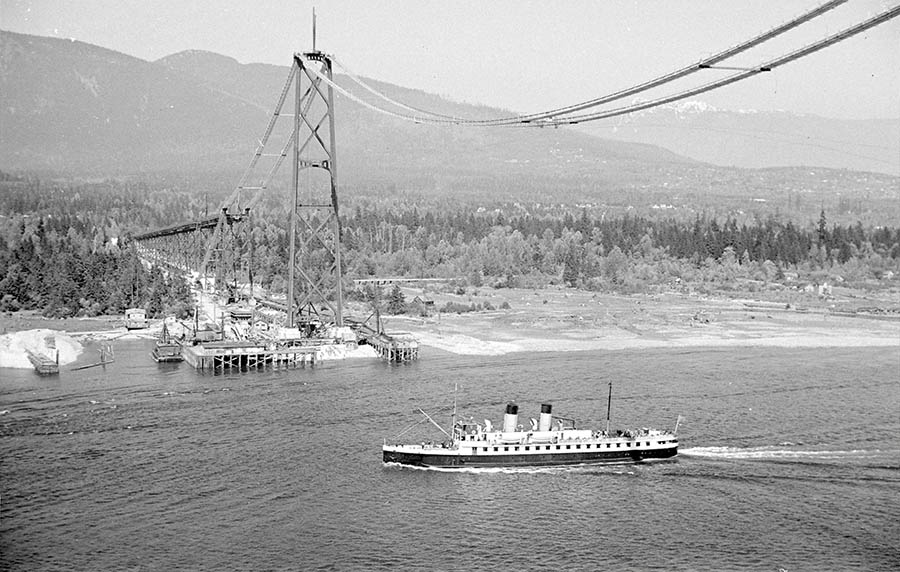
(396, 348)
(218, 357)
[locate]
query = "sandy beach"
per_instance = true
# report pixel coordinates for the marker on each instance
(25, 332)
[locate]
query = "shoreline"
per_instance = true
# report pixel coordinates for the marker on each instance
(562, 320)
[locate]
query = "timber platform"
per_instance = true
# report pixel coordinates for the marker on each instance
(247, 355)
(398, 347)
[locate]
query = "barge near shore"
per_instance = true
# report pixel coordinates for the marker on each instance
(44, 365)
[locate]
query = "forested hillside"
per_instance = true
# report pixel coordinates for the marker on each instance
(61, 252)
(63, 247)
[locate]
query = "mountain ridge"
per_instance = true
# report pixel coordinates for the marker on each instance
(90, 109)
(70, 106)
(762, 139)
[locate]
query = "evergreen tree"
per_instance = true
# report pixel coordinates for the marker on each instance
(396, 301)
(823, 229)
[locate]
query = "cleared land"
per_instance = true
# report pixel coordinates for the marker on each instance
(573, 320)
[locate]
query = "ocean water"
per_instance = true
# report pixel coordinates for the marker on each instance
(789, 459)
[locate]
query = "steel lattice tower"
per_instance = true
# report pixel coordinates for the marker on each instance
(314, 257)
(314, 281)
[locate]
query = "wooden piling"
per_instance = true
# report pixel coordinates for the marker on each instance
(246, 356)
(395, 348)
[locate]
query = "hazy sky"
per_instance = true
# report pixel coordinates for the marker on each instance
(522, 56)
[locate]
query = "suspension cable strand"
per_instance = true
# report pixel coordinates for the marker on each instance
(262, 142)
(767, 66)
(282, 155)
(562, 116)
(411, 118)
(688, 70)
(273, 170)
(705, 63)
(356, 79)
(351, 96)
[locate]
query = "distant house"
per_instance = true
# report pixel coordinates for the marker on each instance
(136, 318)
(823, 289)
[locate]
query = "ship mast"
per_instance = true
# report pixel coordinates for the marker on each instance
(453, 416)
(608, 407)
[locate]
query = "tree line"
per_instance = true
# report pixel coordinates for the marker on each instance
(65, 268)
(62, 245)
(627, 253)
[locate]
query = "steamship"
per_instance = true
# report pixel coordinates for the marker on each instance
(549, 442)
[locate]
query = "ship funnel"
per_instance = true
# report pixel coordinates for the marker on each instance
(511, 419)
(546, 417)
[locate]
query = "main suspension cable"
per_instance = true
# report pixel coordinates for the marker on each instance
(767, 66)
(659, 81)
(562, 115)
(356, 79)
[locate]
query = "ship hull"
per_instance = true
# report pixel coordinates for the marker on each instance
(456, 460)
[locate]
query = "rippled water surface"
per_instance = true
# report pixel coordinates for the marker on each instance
(789, 459)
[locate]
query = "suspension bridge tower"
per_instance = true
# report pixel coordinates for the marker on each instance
(307, 143)
(314, 259)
